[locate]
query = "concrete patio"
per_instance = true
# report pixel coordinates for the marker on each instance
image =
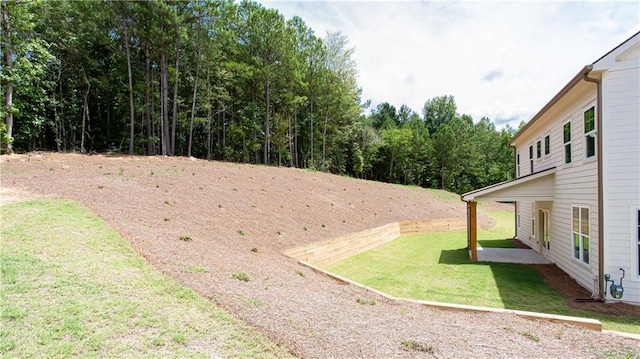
(511, 255)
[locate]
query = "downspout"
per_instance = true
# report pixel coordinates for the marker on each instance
(598, 82)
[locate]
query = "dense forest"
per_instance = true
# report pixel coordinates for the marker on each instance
(222, 80)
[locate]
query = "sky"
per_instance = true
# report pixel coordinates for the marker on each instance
(501, 60)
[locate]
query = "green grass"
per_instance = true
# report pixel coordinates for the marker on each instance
(72, 287)
(436, 267)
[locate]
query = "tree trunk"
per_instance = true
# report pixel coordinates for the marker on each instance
(147, 99)
(8, 55)
(195, 93)
(266, 122)
(164, 100)
(175, 102)
(85, 116)
(324, 138)
(131, 108)
(209, 121)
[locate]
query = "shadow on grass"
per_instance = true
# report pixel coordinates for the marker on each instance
(520, 286)
(496, 243)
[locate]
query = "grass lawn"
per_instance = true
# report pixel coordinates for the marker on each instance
(436, 267)
(72, 287)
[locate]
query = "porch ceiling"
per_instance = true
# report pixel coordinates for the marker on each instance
(538, 186)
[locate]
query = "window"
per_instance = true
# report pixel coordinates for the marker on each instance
(518, 165)
(547, 145)
(531, 158)
(638, 238)
(538, 149)
(590, 133)
(533, 219)
(580, 231)
(566, 130)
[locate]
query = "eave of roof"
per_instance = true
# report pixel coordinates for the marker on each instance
(470, 196)
(574, 81)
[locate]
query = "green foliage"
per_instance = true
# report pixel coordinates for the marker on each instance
(231, 81)
(241, 276)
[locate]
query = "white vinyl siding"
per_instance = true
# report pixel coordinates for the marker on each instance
(621, 166)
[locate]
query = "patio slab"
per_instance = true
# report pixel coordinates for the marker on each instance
(511, 255)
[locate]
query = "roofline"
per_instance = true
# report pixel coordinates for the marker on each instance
(574, 81)
(617, 47)
(519, 179)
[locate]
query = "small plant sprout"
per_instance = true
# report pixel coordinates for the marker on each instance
(305, 228)
(166, 219)
(323, 226)
(413, 344)
(279, 233)
(300, 274)
(185, 238)
(120, 171)
(241, 232)
(366, 301)
(254, 250)
(241, 276)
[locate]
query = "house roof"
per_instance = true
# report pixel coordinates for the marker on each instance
(571, 84)
(538, 186)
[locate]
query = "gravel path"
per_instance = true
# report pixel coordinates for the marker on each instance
(242, 217)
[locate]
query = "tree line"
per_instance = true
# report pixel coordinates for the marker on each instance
(225, 81)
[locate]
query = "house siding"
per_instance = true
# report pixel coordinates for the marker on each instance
(621, 161)
(575, 185)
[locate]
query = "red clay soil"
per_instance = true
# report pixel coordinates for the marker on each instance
(242, 217)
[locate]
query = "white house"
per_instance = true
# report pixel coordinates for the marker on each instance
(577, 185)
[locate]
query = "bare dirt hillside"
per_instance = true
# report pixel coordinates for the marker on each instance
(239, 219)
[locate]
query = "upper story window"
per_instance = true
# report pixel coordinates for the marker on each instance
(531, 158)
(590, 133)
(547, 145)
(518, 165)
(566, 131)
(538, 149)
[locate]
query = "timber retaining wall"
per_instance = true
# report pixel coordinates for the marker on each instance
(336, 249)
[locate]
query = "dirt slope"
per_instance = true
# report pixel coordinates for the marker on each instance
(227, 210)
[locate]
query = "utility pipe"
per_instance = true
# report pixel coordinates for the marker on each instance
(598, 82)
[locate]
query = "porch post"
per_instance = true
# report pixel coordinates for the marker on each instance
(473, 230)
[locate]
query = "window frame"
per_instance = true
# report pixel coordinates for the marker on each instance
(568, 156)
(637, 228)
(533, 219)
(517, 165)
(547, 145)
(539, 149)
(590, 135)
(580, 235)
(531, 157)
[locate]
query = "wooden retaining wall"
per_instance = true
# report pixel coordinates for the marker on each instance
(336, 249)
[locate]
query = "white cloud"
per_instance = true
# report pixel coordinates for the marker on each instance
(502, 60)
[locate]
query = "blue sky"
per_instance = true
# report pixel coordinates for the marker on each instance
(503, 60)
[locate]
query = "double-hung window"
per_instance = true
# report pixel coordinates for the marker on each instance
(580, 230)
(638, 237)
(531, 158)
(518, 165)
(538, 149)
(566, 131)
(590, 133)
(547, 145)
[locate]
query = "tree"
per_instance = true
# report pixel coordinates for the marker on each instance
(438, 111)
